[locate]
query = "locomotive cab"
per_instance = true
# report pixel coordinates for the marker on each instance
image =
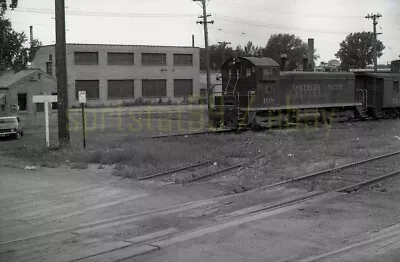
(248, 83)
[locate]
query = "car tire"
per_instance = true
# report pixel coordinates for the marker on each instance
(22, 133)
(17, 136)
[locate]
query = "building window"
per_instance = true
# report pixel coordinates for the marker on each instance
(396, 87)
(90, 86)
(120, 89)
(120, 58)
(183, 87)
(155, 59)
(49, 68)
(50, 57)
(54, 105)
(86, 58)
(183, 59)
(154, 88)
(22, 101)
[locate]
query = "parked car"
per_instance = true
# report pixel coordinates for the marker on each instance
(11, 126)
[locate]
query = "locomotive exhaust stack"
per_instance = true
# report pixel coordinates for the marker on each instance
(283, 62)
(310, 54)
(305, 63)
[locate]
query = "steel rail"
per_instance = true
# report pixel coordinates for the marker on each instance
(242, 218)
(346, 189)
(249, 162)
(332, 170)
(199, 163)
(196, 133)
(163, 173)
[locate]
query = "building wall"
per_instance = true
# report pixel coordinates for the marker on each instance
(46, 85)
(104, 72)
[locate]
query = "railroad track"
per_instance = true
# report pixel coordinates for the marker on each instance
(207, 132)
(161, 239)
(192, 178)
(324, 174)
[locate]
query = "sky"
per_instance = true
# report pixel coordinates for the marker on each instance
(172, 22)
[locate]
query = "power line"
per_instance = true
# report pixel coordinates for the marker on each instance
(291, 13)
(105, 14)
(170, 15)
(275, 26)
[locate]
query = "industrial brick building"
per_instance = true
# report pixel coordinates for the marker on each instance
(115, 74)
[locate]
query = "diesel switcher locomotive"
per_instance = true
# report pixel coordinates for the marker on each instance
(255, 93)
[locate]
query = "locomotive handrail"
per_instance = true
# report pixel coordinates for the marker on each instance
(364, 97)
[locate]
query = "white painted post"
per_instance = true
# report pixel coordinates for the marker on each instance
(46, 99)
(46, 115)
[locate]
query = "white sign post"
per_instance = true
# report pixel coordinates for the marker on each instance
(46, 99)
(82, 101)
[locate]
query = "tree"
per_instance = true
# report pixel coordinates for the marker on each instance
(356, 51)
(249, 50)
(288, 44)
(13, 51)
(4, 5)
(218, 55)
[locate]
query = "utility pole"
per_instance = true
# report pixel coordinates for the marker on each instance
(375, 18)
(224, 45)
(205, 23)
(61, 72)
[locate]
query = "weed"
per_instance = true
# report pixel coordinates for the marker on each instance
(79, 165)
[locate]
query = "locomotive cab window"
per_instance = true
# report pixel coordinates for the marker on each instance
(269, 73)
(396, 87)
(248, 72)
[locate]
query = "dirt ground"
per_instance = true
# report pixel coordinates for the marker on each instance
(304, 231)
(113, 139)
(308, 150)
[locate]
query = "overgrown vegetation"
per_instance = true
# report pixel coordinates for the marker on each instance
(15, 52)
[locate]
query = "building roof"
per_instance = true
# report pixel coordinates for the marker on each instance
(262, 61)
(371, 70)
(381, 75)
(103, 44)
(8, 78)
(316, 74)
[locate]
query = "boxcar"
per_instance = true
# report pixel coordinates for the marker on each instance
(383, 93)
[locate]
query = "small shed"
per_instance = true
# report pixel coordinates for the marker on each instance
(17, 90)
